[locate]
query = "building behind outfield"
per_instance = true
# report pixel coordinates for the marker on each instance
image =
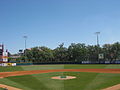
(1, 52)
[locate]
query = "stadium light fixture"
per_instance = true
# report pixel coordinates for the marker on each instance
(97, 33)
(25, 37)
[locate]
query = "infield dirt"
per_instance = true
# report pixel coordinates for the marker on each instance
(19, 73)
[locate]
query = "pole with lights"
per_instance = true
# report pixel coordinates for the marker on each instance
(97, 34)
(25, 37)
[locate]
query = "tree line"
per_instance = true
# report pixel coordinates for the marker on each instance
(76, 52)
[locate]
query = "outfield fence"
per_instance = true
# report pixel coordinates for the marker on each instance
(81, 62)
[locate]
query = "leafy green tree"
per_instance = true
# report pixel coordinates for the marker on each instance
(40, 54)
(74, 53)
(77, 52)
(112, 51)
(61, 53)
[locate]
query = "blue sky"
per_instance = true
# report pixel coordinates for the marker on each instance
(51, 22)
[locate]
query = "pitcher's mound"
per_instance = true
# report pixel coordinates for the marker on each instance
(63, 77)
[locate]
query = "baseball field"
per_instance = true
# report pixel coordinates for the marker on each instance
(38, 77)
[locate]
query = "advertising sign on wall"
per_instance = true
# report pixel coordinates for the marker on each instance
(8, 64)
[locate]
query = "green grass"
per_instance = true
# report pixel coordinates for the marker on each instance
(35, 82)
(31, 67)
(91, 81)
(84, 66)
(48, 67)
(84, 80)
(2, 89)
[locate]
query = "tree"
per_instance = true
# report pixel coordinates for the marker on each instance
(61, 53)
(74, 53)
(77, 52)
(112, 51)
(40, 54)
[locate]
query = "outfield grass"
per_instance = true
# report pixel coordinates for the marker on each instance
(84, 80)
(31, 67)
(48, 67)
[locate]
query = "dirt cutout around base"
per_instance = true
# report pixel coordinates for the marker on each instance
(6, 87)
(115, 87)
(67, 78)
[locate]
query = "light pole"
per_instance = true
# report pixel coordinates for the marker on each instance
(25, 37)
(97, 33)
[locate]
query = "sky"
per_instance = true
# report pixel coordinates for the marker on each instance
(52, 22)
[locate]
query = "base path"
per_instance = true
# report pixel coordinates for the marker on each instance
(19, 73)
(116, 87)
